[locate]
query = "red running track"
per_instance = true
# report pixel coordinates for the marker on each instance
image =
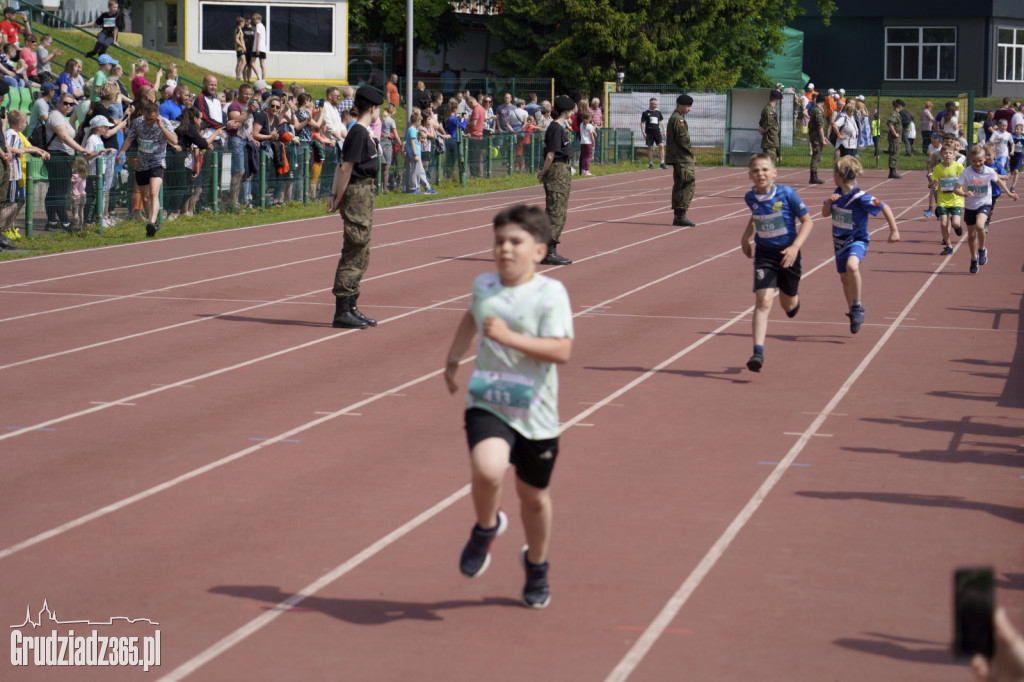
(185, 439)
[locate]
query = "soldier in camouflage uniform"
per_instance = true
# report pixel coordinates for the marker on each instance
(556, 176)
(816, 136)
(353, 193)
(895, 126)
(679, 154)
(768, 127)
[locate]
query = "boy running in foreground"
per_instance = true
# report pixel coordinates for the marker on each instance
(524, 324)
(949, 206)
(850, 207)
(775, 210)
(974, 185)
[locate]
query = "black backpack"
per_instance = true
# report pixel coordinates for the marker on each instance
(38, 137)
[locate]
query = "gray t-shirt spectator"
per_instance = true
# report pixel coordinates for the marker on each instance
(54, 121)
(151, 141)
(40, 110)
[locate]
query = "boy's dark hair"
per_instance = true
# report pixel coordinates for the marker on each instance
(820, 99)
(530, 218)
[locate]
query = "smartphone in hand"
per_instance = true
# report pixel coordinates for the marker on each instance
(973, 605)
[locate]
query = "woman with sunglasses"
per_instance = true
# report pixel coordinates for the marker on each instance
(60, 143)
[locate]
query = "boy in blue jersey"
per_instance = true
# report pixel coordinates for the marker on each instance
(850, 207)
(998, 164)
(775, 210)
(524, 324)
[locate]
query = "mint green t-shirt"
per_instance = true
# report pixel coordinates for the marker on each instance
(99, 79)
(522, 391)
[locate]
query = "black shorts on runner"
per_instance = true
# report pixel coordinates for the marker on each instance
(971, 214)
(239, 53)
(534, 460)
(261, 55)
(142, 177)
(653, 137)
(769, 273)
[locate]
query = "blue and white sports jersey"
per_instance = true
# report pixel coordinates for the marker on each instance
(775, 216)
(999, 168)
(850, 216)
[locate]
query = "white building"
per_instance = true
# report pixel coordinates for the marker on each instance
(308, 39)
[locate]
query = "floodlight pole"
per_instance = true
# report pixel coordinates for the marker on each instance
(410, 56)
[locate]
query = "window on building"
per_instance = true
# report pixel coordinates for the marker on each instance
(172, 23)
(925, 53)
(217, 24)
(294, 28)
(1010, 58)
(290, 28)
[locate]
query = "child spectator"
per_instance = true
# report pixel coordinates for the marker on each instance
(79, 173)
(587, 132)
(388, 135)
(171, 80)
(776, 252)
(45, 57)
(849, 207)
(19, 145)
(239, 47)
(974, 185)
(14, 70)
(529, 128)
(95, 144)
(948, 206)
(524, 324)
(414, 173)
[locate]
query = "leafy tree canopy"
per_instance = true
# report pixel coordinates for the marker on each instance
(435, 25)
(697, 44)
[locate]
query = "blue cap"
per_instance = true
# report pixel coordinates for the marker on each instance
(107, 59)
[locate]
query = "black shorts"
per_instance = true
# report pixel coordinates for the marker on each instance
(971, 214)
(769, 273)
(653, 137)
(239, 53)
(534, 460)
(142, 177)
(261, 55)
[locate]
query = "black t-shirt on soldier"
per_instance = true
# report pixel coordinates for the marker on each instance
(361, 150)
(556, 140)
(651, 119)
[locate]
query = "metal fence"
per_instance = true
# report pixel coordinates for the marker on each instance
(491, 85)
(50, 202)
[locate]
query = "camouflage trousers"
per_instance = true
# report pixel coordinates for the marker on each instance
(557, 183)
(894, 152)
(816, 148)
(772, 151)
(684, 181)
(357, 212)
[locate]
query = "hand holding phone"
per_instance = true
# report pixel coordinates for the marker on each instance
(973, 604)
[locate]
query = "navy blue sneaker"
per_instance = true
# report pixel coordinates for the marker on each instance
(476, 555)
(856, 316)
(982, 256)
(431, 191)
(755, 362)
(974, 266)
(536, 592)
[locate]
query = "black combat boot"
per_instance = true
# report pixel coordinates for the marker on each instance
(358, 313)
(815, 180)
(553, 258)
(893, 175)
(344, 318)
(681, 219)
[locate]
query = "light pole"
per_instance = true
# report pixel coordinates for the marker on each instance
(410, 57)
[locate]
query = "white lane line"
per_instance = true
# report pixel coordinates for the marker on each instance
(276, 266)
(109, 509)
(671, 608)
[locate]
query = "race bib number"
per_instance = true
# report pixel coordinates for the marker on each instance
(979, 190)
(109, 22)
(653, 121)
(842, 218)
(502, 389)
(769, 226)
(147, 146)
(1019, 148)
(947, 183)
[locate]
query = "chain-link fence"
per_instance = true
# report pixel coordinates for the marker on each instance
(522, 88)
(70, 193)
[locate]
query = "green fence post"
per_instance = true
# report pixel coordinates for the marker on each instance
(160, 206)
(263, 179)
(29, 201)
(511, 156)
(306, 154)
(99, 190)
(215, 181)
(487, 160)
(464, 157)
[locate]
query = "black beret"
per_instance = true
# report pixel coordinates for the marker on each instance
(684, 99)
(368, 94)
(775, 94)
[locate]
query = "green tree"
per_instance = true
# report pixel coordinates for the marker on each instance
(697, 44)
(436, 24)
